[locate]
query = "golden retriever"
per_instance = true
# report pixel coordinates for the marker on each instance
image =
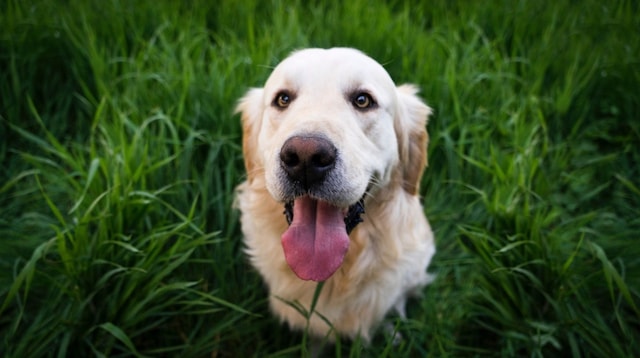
(334, 154)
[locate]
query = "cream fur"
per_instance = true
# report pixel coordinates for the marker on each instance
(383, 148)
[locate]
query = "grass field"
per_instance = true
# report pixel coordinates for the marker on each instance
(120, 153)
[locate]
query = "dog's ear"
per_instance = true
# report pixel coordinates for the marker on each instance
(250, 108)
(410, 126)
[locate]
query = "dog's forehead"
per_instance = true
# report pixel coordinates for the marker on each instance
(347, 66)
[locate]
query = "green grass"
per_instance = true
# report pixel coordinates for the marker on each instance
(120, 153)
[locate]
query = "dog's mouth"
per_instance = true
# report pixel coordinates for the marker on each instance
(351, 218)
(318, 236)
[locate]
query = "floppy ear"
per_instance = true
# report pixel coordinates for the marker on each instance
(250, 107)
(410, 126)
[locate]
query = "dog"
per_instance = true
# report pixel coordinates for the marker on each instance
(334, 154)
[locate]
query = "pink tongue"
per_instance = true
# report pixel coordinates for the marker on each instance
(316, 241)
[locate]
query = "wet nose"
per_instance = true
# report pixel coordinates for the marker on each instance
(307, 159)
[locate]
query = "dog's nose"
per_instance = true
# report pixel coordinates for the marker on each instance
(307, 159)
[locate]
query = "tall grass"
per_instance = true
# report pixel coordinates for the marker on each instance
(120, 154)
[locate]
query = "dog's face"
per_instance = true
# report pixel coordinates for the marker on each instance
(340, 100)
(329, 128)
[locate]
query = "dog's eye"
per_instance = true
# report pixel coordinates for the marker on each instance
(282, 100)
(363, 101)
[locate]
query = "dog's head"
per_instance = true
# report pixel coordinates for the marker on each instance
(329, 128)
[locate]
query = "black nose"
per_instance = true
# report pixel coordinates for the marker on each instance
(307, 159)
